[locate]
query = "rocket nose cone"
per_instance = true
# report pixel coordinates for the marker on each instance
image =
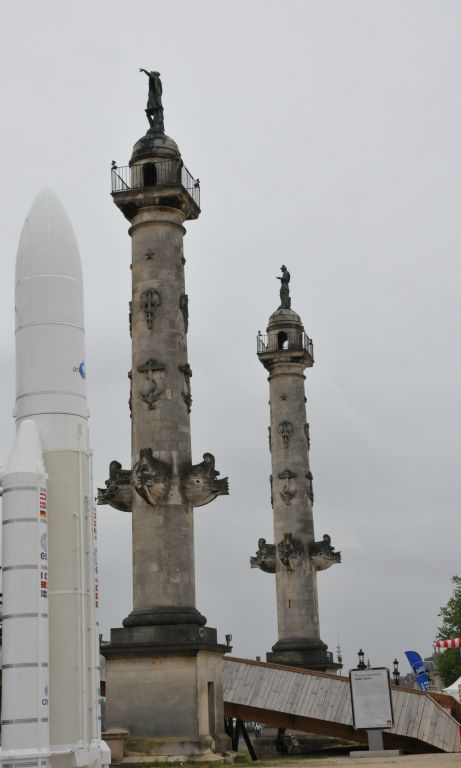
(50, 347)
(47, 245)
(48, 269)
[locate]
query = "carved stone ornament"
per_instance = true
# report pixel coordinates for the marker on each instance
(186, 370)
(184, 307)
(283, 396)
(118, 491)
(286, 494)
(151, 365)
(151, 477)
(310, 487)
(149, 301)
(322, 554)
(264, 558)
(149, 254)
(308, 437)
(187, 396)
(155, 391)
(285, 430)
(151, 397)
(200, 485)
(290, 552)
(286, 475)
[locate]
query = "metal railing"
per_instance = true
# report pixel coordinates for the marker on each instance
(281, 341)
(155, 174)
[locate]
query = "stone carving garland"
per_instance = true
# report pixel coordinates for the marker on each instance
(184, 307)
(310, 488)
(186, 396)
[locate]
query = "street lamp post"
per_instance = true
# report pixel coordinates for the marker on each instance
(396, 673)
(361, 664)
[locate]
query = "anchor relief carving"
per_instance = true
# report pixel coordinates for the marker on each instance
(286, 494)
(149, 301)
(154, 390)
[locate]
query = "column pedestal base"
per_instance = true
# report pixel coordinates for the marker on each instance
(308, 653)
(164, 687)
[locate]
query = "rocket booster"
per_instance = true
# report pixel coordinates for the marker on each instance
(25, 717)
(50, 392)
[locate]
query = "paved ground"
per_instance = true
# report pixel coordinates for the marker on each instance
(440, 760)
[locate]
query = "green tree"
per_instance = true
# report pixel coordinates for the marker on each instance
(449, 662)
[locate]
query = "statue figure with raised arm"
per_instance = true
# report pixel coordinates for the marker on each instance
(154, 110)
(285, 300)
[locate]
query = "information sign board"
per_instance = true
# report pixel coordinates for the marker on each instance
(371, 698)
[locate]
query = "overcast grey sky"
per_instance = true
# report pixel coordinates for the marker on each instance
(326, 136)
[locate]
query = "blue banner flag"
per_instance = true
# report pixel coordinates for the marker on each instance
(417, 665)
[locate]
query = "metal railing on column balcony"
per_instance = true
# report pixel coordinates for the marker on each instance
(284, 341)
(156, 174)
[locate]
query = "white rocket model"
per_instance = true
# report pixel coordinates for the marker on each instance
(54, 528)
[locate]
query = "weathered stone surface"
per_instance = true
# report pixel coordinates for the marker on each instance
(148, 695)
(164, 667)
(285, 353)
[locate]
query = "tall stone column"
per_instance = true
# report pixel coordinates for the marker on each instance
(163, 671)
(295, 557)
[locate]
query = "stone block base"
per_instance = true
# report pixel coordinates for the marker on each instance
(167, 695)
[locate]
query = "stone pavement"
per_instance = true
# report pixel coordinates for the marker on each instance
(439, 760)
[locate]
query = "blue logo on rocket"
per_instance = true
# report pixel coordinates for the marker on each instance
(82, 370)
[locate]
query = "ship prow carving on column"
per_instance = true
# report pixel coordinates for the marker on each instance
(286, 351)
